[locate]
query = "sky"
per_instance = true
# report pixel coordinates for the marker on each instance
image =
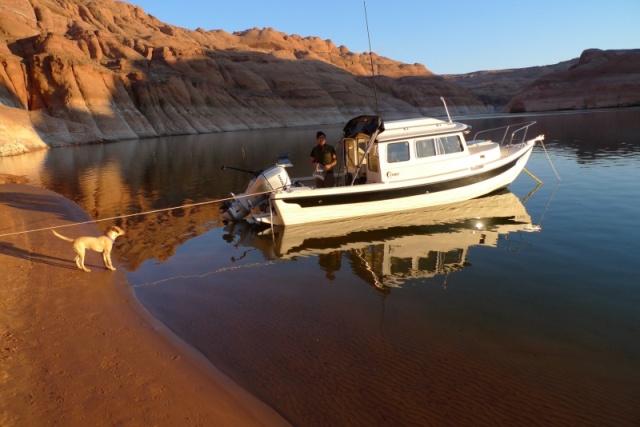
(446, 36)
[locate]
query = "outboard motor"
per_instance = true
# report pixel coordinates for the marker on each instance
(258, 192)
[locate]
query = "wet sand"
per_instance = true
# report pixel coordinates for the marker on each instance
(78, 348)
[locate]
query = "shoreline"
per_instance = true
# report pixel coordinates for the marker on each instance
(9, 150)
(79, 348)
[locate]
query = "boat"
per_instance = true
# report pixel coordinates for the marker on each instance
(388, 250)
(388, 167)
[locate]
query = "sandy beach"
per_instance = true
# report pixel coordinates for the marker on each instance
(78, 348)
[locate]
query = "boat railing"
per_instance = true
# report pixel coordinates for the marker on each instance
(509, 135)
(308, 181)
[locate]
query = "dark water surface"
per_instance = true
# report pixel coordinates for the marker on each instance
(462, 315)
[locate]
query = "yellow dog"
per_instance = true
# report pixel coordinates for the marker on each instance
(102, 244)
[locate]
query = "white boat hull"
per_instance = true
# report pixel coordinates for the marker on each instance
(297, 205)
(391, 167)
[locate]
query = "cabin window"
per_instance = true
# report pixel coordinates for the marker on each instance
(372, 159)
(438, 146)
(426, 147)
(398, 152)
(450, 144)
(351, 153)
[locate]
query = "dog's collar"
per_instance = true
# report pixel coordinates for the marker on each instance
(112, 240)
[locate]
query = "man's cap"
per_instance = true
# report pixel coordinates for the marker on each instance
(319, 134)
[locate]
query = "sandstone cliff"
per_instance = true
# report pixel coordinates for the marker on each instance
(600, 79)
(80, 71)
(83, 71)
(498, 87)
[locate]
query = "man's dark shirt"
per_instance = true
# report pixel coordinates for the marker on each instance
(323, 155)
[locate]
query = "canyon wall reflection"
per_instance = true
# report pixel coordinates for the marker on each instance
(129, 178)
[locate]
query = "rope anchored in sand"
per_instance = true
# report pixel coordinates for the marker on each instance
(190, 205)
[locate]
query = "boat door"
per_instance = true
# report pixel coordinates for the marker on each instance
(355, 149)
(361, 149)
(356, 154)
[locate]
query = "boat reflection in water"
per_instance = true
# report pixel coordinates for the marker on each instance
(388, 250)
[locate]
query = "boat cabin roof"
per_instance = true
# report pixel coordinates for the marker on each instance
(363, 125)
(423, 126)
(398, 129)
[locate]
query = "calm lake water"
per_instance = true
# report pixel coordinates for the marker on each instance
(463, 315)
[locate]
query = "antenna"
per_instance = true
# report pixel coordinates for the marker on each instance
(445, 108)
(373, 74)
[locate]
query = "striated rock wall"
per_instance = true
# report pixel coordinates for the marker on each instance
(599, 79)
(17, 133)
(83, 71)
(498, 87)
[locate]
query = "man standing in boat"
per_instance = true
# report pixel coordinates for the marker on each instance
(323, 158)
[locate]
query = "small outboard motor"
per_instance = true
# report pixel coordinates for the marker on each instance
(258, 192)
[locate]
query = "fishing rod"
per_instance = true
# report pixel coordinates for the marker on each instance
(373, 73)
(255, 173)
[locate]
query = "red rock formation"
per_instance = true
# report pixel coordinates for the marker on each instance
(498, 87)
(103, 70)
(81, 71)
(600, 79)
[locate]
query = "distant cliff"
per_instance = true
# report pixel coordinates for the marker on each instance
(83, 71)
(498, 87)
(599, 79)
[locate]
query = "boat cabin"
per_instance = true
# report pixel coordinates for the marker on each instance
(401, 164)
(393, 151)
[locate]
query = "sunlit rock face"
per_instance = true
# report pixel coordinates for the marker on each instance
(600, 79)
(87, 71)
(83, 71)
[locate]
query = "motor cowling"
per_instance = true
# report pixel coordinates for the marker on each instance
(257, 194)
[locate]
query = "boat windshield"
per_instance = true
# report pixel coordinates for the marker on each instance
(438, 145)
(367, 125)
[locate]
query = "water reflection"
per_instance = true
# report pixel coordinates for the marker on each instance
(588, 136)
(385, 251)
(610, 135)
(543, 327)
(134, 176)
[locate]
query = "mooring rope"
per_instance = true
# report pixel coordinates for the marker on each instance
(203, 275)
(190, 205)
(549, 158)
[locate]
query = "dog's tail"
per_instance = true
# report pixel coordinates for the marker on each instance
(61, 236)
